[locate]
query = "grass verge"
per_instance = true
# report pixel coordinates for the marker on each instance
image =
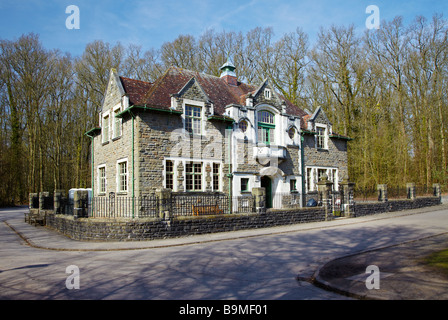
(439, 260)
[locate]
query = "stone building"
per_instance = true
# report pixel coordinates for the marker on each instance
(193, 132)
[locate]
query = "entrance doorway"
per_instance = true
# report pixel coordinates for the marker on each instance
(267, 184)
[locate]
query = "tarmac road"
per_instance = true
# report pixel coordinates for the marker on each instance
(263, 264)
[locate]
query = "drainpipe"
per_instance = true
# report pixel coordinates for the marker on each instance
(133, 178)
(230, 175)
(302, 161)
(92, 178)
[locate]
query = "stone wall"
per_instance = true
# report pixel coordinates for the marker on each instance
(334, 156)
(90, 229)
(369, 208)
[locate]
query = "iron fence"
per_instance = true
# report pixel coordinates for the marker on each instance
(123, 207)
(204, 204)
(286, 200)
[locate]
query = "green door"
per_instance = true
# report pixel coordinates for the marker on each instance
(267, 184)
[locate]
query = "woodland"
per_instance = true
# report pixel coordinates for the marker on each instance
(384, 88)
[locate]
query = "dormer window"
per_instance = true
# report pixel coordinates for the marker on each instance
(267, 93)
(193, 119)
(321, 137)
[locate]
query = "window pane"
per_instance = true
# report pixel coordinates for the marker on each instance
(244, 184)
(123, 179)
(102, 175)
(117, 129)
(265, 117)
(243, 126)
(292, 185)
(169, 174)
(193, 119)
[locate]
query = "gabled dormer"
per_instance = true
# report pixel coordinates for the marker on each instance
(321, 125)
(266, 94)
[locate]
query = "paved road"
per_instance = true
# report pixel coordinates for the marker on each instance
(243, 265)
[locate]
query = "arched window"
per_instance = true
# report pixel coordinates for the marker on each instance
(266, 127)
(292, 132)
(243, 125)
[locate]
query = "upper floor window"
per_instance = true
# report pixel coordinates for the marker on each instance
(243, 125)
(291, 132)
(117, 124)
(267, 93)
(266, 127)
(321, 139)
(193, 119)
(265, 117)
(105, 128)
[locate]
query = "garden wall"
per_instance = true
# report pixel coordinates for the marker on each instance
(93, 229)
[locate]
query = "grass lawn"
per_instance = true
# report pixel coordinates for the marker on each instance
(439, 260)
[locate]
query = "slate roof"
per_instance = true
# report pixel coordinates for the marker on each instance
(158, 94)
(135, 89)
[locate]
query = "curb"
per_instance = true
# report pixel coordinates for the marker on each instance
(319, 282)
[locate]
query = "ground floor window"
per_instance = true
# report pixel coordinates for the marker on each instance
(193, 176)
(195, 173)
(102, 180)
(244, 184)
(123, 176)
(315, 174)
(216, 177)
(293, 185)
(169, 174)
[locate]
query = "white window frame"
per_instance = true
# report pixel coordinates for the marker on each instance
(197, 104)
(194, 174)
(119, 175)
(116, 133)
(268, 128)
(311, 181)
(100, 179)
(267, 94)
(105, 134)
(247, 186)
(216, 176)
(324, 137)
(172, 173)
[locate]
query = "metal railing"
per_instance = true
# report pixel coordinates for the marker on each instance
(196, 205)
(123, 207)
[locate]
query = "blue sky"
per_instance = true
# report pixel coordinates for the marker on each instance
(151, 23)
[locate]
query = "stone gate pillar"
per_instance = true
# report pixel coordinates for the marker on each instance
(347, 202)
(437, 190)
(410, 190)
(324, 187)
(57, 201)
(382, 192)
(80, 198)
(164, 198)
(260, 199)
